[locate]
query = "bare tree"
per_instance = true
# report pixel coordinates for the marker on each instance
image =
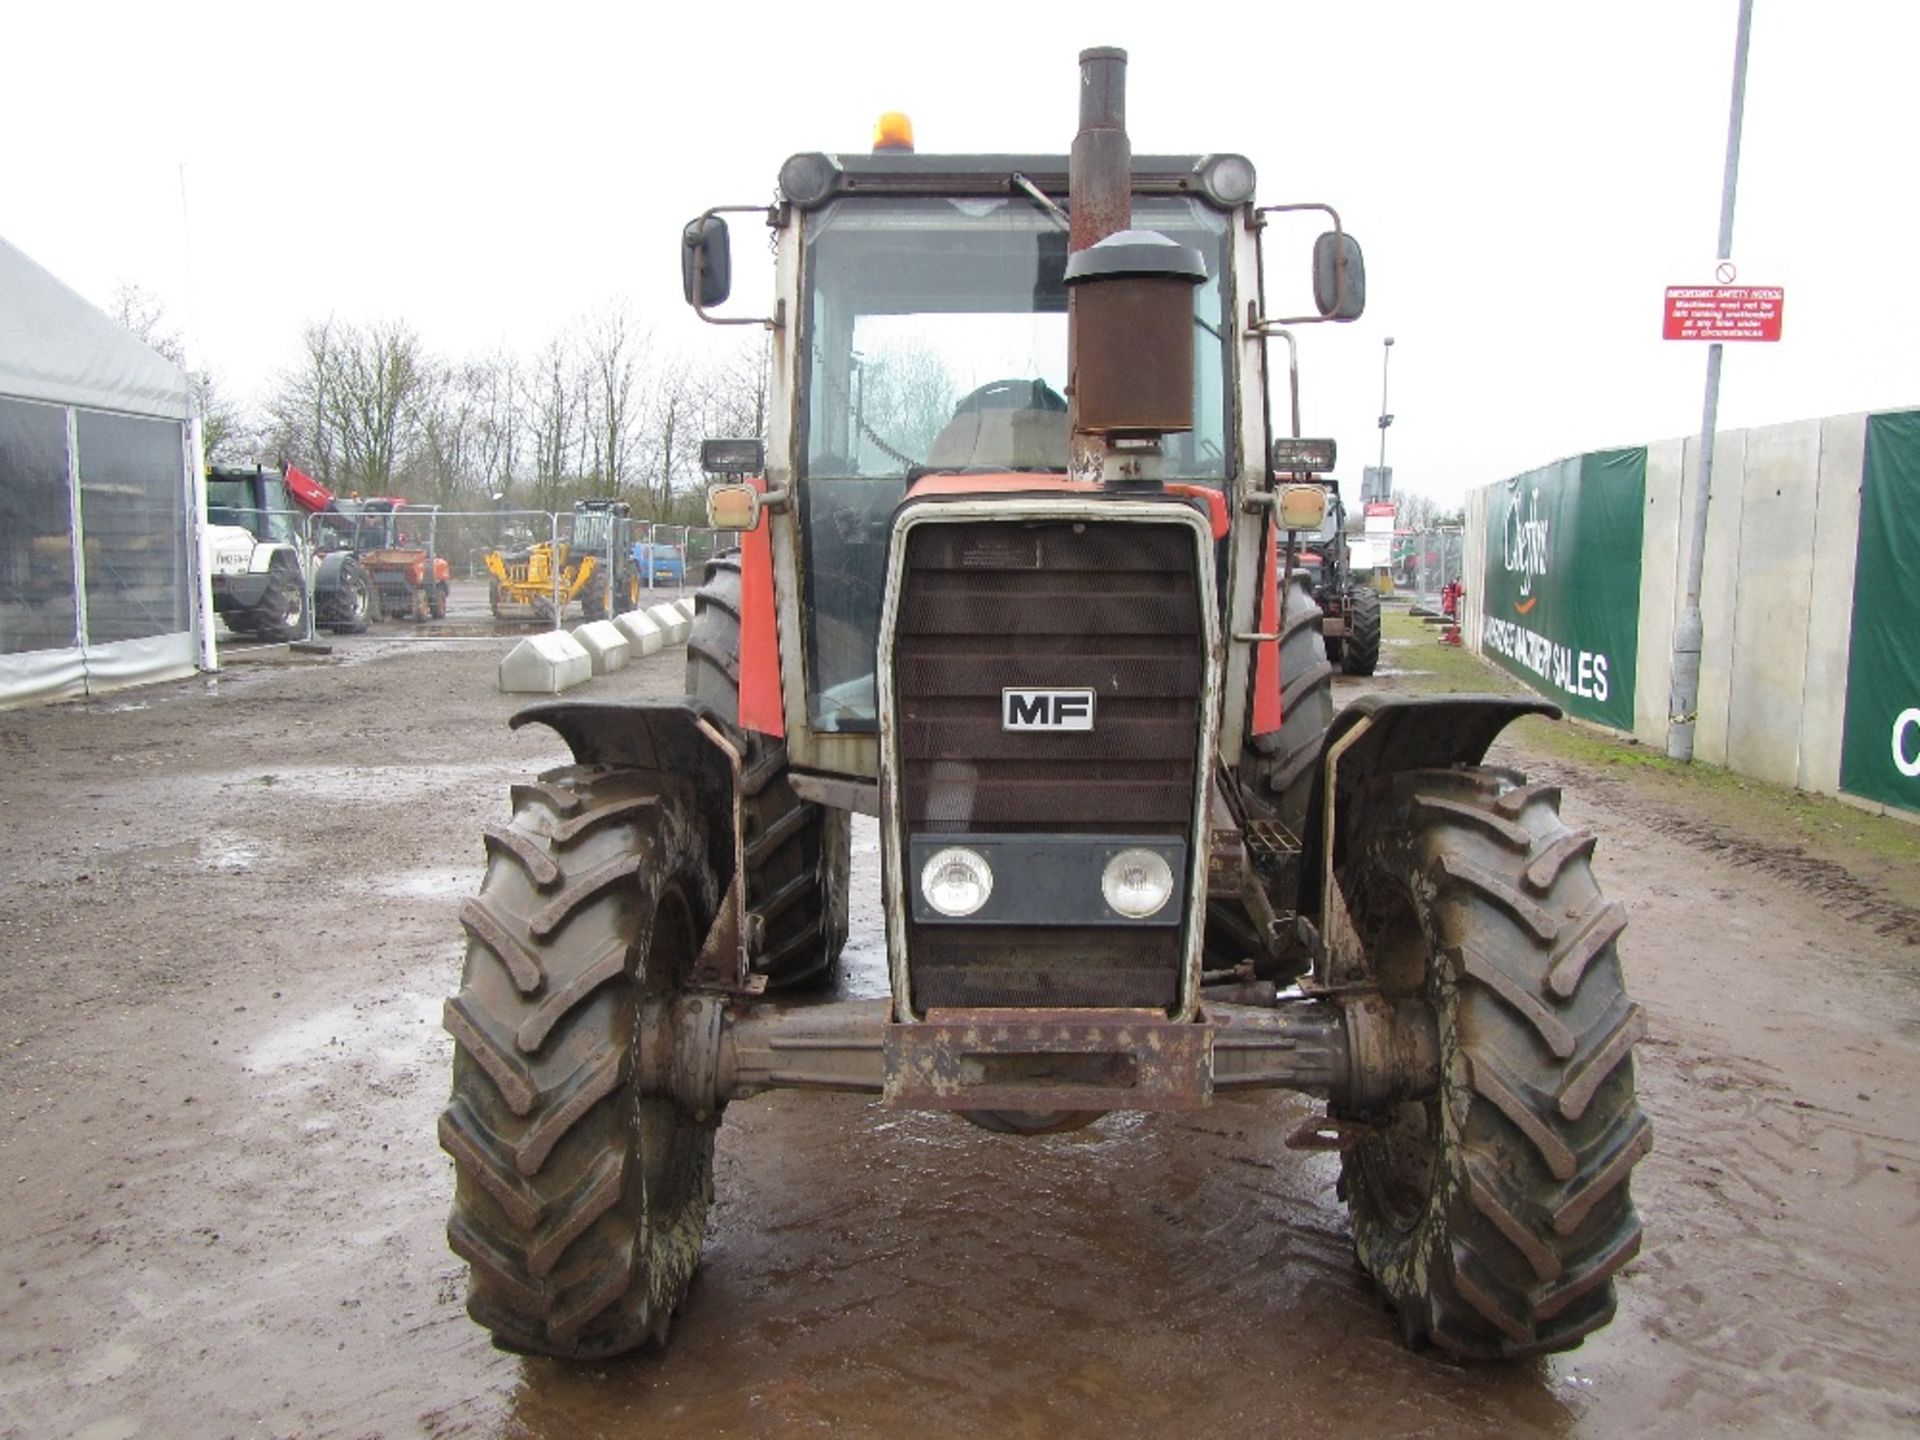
(1415, 511)
(299, 424)
(734, 391)
(380, 378)
(495, 386)
(614, 351)
(552, 398)
(223, 428)
(671, 412)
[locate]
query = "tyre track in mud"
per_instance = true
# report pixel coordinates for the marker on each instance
(1853, 898)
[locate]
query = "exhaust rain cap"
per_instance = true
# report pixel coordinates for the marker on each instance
(1137, 254)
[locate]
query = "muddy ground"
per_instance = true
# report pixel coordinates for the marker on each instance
(227, 922)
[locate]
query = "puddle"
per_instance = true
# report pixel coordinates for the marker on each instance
(429, 884)
(226, 851)
(397, 1032)
(375, 785)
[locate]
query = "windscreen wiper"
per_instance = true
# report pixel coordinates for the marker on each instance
(1039, 197)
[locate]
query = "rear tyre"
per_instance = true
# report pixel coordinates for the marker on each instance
(437, 601)
(1276, 777)
(1276, 770)
(798, 855)
(1362, 653)
(580, 1200)
(1494, 1215)
(593, 600)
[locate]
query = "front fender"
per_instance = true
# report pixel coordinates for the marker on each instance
(662, 735)
(1380, 735)
(333, 565)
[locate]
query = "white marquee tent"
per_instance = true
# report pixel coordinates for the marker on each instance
(98, 571)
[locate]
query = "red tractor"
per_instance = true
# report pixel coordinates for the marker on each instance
(1011, 580)
(395, 540)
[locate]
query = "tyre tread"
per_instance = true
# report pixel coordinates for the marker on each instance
(1541, 1220)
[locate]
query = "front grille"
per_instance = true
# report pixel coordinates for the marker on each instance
(1111, 607)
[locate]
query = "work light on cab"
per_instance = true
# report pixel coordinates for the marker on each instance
(1227, 179)
(806, 180)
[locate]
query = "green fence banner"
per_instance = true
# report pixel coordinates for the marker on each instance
(1563, 581)
(1880, 754)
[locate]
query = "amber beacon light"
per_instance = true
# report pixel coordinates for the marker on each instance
(893, 131)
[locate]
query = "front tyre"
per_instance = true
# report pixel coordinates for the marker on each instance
(1494, 1215)
(282, 613)
(580, 1200)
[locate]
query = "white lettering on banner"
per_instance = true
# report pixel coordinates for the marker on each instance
(1524, 542)
(1909, 720)
(1572, 672)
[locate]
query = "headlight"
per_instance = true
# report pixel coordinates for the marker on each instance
(957, 881)
(1137, 883)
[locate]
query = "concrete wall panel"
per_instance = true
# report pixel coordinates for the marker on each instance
(1660, 579)
(1474, 569)
(1773, 600)
(1836, 537)
(1783, 530)
(1719, 586)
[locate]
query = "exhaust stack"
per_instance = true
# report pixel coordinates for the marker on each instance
(1100, 167)
(1129, 299)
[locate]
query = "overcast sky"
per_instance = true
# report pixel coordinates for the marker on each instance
(1526, 178)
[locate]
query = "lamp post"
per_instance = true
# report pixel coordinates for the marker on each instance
(1386, 354)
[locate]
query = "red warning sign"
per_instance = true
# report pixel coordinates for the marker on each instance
(1724, 312)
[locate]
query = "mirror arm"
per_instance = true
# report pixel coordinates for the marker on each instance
(1260, 325)
(771, 322)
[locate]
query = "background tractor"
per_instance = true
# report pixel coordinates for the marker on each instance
(1349, 604)
(1025, 598)
(397, 542)
(265, 566)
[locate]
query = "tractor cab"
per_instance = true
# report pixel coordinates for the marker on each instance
(252, 498)
(600, 527)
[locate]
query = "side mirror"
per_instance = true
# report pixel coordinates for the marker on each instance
(1339, 276)
(706, 262)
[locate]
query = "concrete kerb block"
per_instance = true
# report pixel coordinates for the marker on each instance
(545, 665)
(672, 622)
(606, 645)
(685, 606)
(643, 632)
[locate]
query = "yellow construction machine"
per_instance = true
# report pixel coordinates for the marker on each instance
(542, 579)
